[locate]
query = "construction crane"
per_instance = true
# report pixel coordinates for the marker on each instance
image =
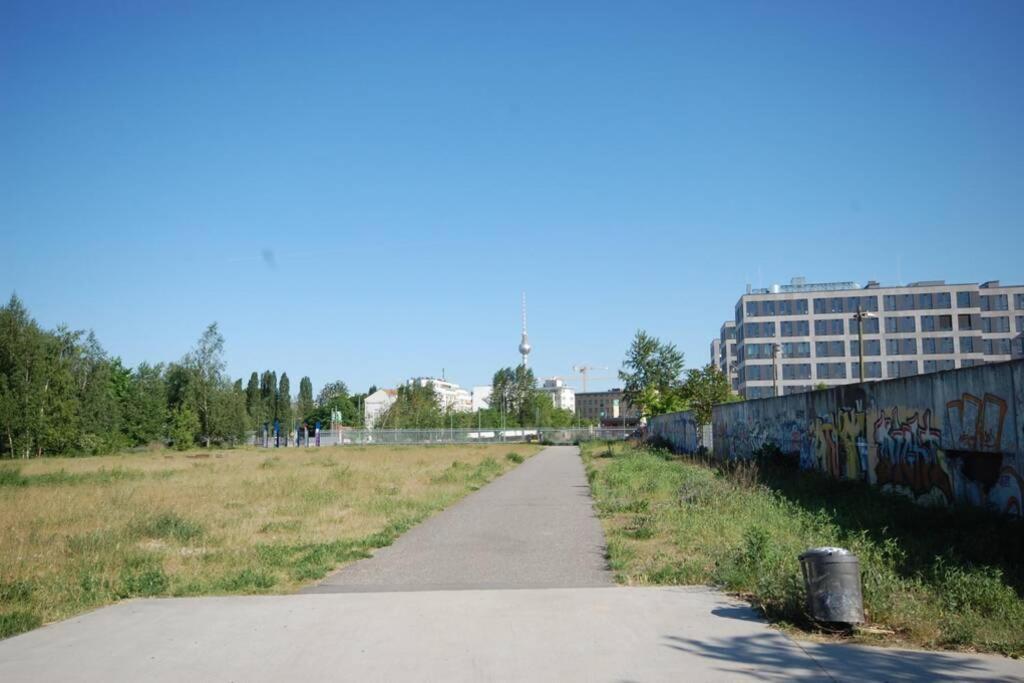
(584, 372)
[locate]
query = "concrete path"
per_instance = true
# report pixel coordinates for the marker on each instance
(576, 634)
(534, 527)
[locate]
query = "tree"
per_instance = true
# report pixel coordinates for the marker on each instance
(704, 389)
(205, 364)
(305, 403)
(513, 393)
(145, 406)
(284, 405)
(24, 379)
(651, 374)
(254, 400)
(416, 406)
(330, 392)
(184, 427)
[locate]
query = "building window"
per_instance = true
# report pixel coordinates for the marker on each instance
(970, 362)
(825, 328)
(969, 345)
(996, 324)
(831, 370)
(1020, 323)
(966, 299)
(968, 321)
(942, 300)
(1018, 301)
(939, 365)
(936, 323)
(760, 392)
(996, 347)
(900, 347)
(901, 368)
(872, 369)
(795, 328)
(796, 389)
(905, 323)
(753, 330)
(827, 349)
(994, 302)
(796, 349)
(872, 347)
(870, 326)
(757, 372)
(934, 345)
(796, 371)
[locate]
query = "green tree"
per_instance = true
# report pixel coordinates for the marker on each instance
(704, 389)
(184, 427)
(513, 393)
(331, 392)
(145, 407)
(284, 405)
(254, 401)
(416, 407)
(651, 374)
(205, 364)
(305, 403)
(26, 358)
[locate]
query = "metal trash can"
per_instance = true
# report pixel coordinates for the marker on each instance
(832, 580)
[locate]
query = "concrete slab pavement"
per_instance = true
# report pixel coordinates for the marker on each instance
(575, 634)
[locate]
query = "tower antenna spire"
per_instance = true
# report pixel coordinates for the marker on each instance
(524, 343)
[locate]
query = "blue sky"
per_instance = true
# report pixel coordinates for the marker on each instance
(412, 167)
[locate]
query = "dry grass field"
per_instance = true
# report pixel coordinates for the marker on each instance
(81, 533)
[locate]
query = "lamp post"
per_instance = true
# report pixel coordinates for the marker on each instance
(860, 316)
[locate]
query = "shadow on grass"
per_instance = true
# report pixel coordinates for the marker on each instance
(961, 535)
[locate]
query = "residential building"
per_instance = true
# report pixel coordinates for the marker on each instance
(716, 353)
(376, 404)
(727, 353)
(449, 395)
(562, 396)
(791, 338)
(606, 407)
(481, 398)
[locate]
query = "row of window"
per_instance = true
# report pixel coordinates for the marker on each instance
(842, 370)
(873, 347)
(903, 324)
(891, 302)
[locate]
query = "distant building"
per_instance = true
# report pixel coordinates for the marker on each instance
(449, 396)
(481, 398)
(376, 404)
(727, 353)
(606, 407)
(716, 353)
(562, 396)
(790, 338)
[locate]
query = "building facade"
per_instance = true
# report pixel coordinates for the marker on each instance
(792, 338)
(727, 353)
(376, 404)
(450, 396)
(562, 396)
(606, 407)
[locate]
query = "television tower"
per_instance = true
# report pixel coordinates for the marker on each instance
(524, 344)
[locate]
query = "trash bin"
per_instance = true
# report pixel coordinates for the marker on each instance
(832, 580)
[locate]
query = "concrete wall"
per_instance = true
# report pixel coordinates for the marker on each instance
(937, 438)
(680, 430)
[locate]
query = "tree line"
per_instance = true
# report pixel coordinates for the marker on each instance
(61, 393)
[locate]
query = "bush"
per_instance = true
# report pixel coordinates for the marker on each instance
(512, 456)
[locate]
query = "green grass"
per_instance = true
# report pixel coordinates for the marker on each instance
(938, 578)
(12, 476)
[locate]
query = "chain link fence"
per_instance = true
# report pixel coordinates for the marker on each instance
(362, 437)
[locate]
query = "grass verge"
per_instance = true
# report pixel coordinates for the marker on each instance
(80, 533)
(947, 578)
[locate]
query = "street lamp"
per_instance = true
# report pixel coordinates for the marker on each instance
(860, 316)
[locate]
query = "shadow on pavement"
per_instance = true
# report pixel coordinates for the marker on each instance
(767, 655)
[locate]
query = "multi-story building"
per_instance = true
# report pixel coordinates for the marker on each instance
(449, 395)
(716, 353)
(727, 353)
(791, 338)
(606, 407)
(562, 396)
(481, 397)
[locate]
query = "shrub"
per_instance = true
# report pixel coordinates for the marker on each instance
(512, 456)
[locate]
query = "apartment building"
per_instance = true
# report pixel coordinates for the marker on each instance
(791, 338)
(562, 395)
(606, 407)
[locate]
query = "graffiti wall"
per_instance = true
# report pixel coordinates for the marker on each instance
(936, 438)
(681, 431)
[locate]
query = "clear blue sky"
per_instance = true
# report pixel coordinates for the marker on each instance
(411, 167)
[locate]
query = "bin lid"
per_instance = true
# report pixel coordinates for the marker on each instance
(826, 551)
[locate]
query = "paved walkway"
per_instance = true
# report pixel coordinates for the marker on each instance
(534, 527)
(427, 618)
